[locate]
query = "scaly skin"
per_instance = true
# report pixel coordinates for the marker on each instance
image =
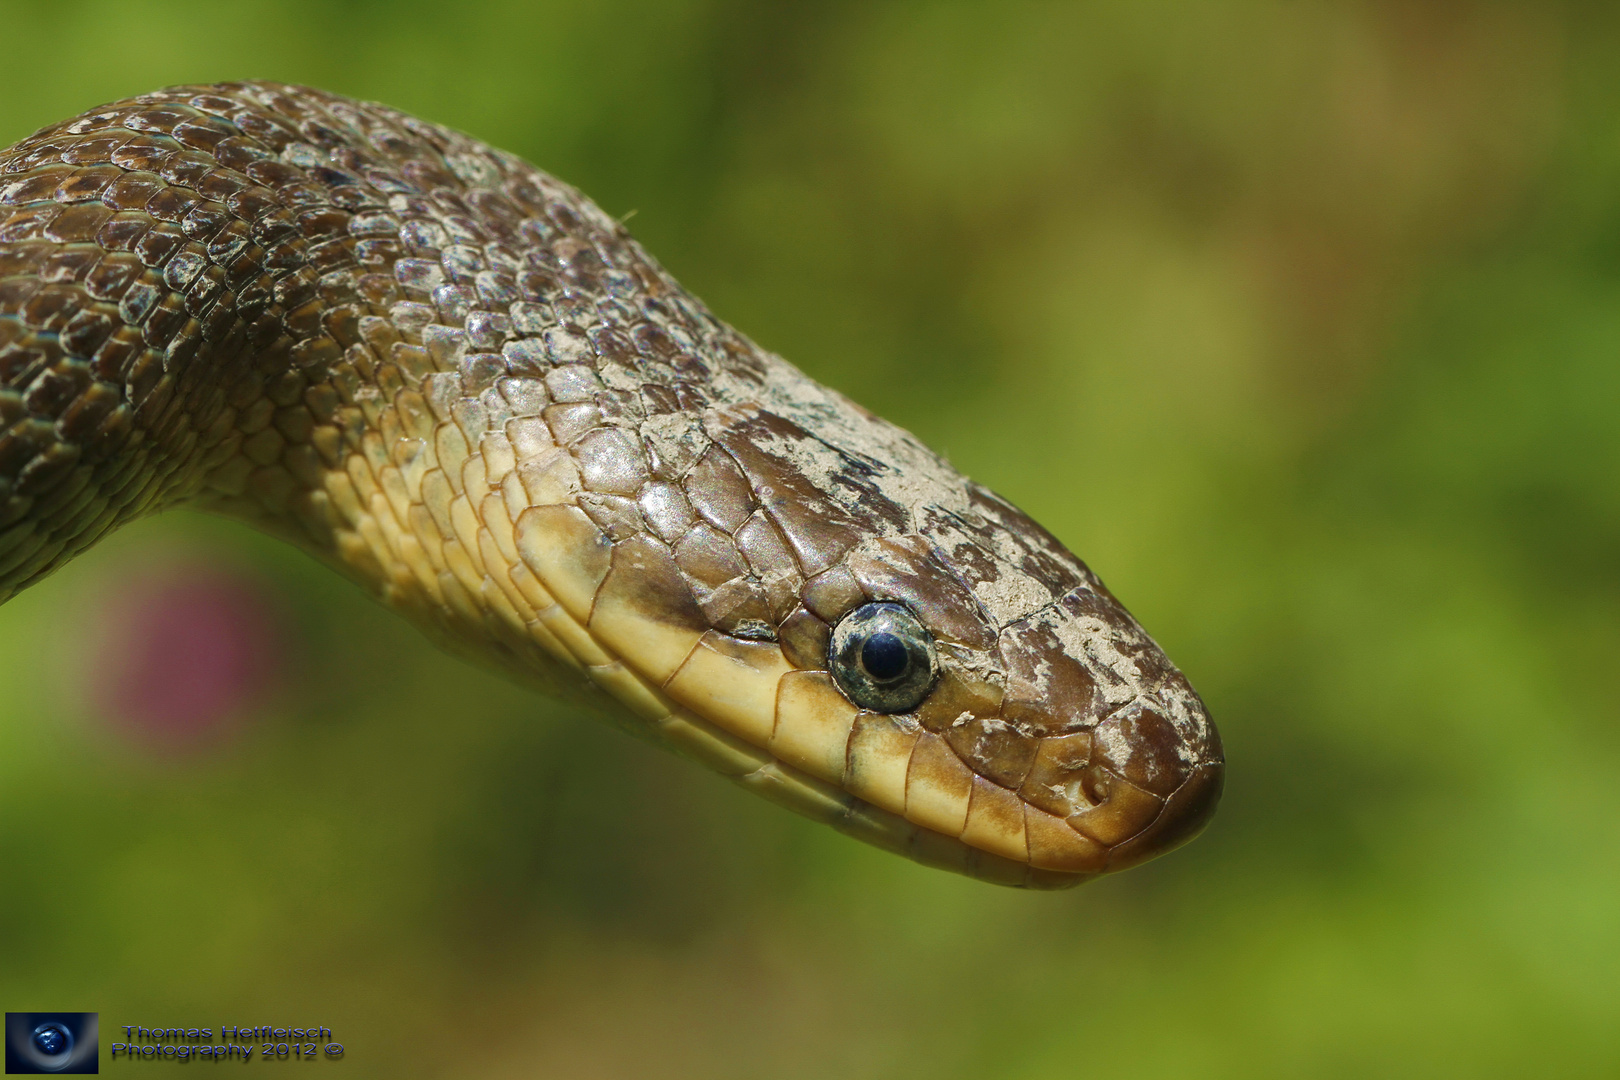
(458, 381)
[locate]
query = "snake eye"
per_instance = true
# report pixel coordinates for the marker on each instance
(882, 658)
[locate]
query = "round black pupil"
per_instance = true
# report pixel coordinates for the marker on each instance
(884, 656)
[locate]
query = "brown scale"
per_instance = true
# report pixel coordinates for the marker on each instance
(458, 381)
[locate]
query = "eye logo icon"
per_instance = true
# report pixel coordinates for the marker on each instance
(43, 1043)
(53, 1039)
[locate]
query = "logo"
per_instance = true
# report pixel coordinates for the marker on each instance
(51, 1043)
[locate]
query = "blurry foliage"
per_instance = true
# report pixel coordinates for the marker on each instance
(1299, 321)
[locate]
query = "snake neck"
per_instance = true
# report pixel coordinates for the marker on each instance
(167, 334)
(343, 325)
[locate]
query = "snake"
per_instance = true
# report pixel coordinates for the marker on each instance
(462, 384)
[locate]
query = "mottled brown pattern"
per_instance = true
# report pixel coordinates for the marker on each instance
(461, 383)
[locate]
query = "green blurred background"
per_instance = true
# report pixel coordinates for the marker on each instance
(1298, 321)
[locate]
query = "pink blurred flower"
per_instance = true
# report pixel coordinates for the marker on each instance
(184, 649)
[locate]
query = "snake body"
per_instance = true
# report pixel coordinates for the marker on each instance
(457, 380)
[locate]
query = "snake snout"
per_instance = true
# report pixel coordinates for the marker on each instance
(1158, 788)
(1131, 788)
(1127, 765)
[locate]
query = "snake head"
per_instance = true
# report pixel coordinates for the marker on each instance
(968, 691)
(1054, 734)
(1057, 734)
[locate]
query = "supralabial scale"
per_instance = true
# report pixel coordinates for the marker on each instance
(462, 384)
